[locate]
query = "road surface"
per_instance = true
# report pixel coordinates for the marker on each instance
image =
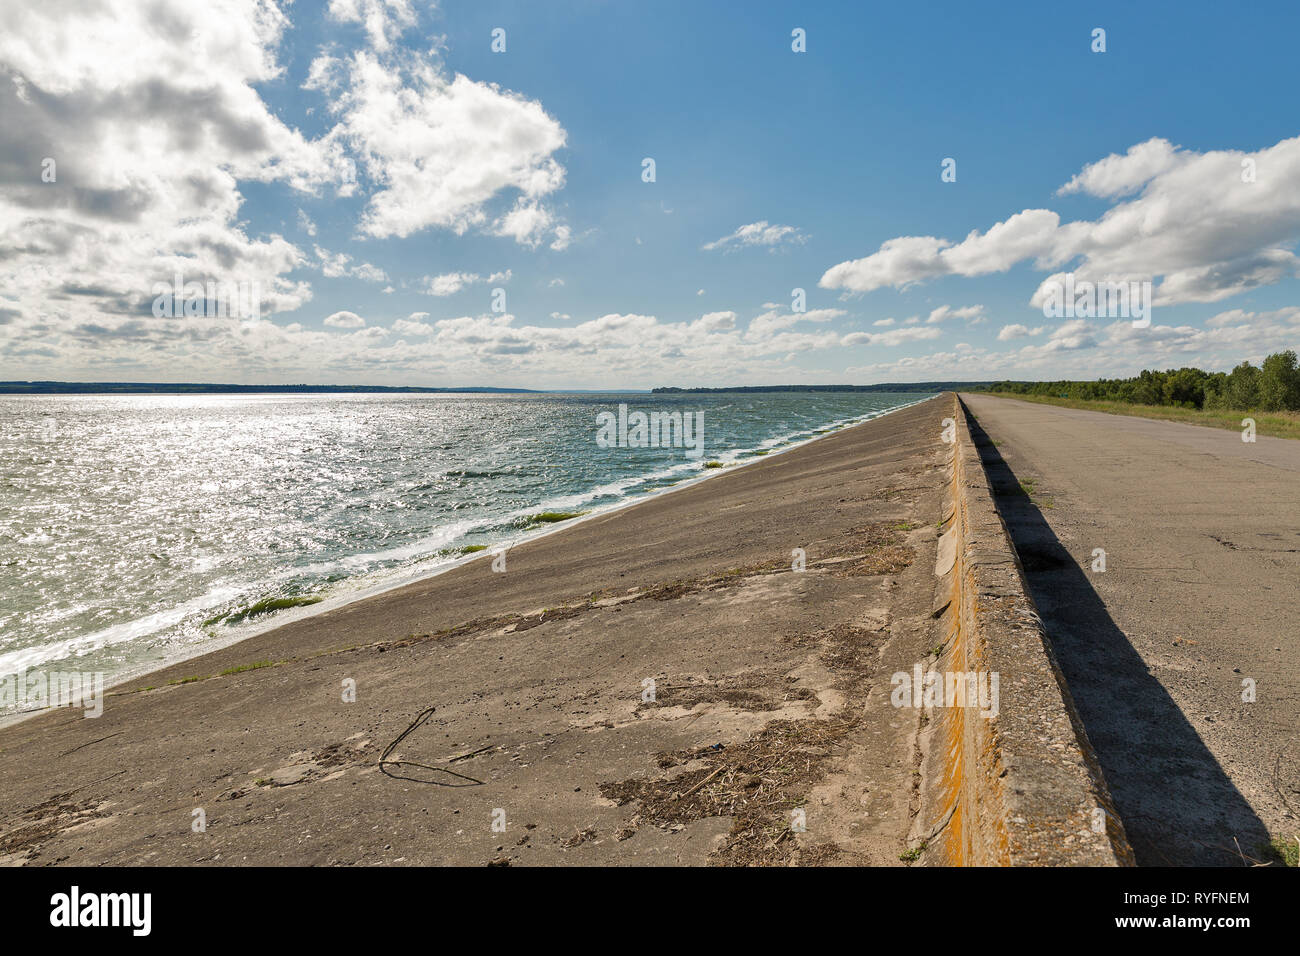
(1201, 534)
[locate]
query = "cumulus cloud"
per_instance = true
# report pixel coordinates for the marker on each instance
(416, 325)
(1121, 175)
(1016, 331)
(1194, 223)
(718, 321)
(1078, 350)
(344, 320)
(449, 283)
(614, 350)
(945, 312)
(138, 124)
(142, 124)
(440, 149)
(334, 265)
(384, 20)
(891, 338)
(1242, 318)
(775, 319)
(761, 233)
(1076, 334)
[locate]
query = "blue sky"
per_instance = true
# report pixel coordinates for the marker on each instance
(831, 158)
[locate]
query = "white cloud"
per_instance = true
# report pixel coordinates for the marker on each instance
(1079, 351)
(717, 321)
(1016, 331)
(1239, 317)
(415, 325)
(324, 74)
(946, 312)
(1195, 224)
(891, 338)
(450, 283)
(761, 233)
(344, 320)
(773, 320)
(151, 115)
(440, 149)
(369, 273)
(1076, 334)
(99, 87)
(332, 265)
(622, 350)
(384, 20)
(336, 265)
(527, 223)
(1121, 175)
(900, 262)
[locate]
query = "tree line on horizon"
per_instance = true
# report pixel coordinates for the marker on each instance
(1273, 386)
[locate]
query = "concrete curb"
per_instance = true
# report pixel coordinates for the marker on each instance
(1021, 787)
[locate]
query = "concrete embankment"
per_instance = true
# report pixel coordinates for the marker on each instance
(1014, 782)
(665, 684)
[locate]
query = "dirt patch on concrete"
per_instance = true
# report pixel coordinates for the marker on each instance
(885, 546)
(851, 653)
(46, 819)
(761, 784)
(756, 691)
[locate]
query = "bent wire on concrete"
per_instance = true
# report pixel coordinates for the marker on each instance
(1023, 787)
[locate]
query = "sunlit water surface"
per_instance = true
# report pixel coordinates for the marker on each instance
(136, 530)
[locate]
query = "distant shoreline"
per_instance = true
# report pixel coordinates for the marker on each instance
(887, 387)
(188, 388)
(203, 388)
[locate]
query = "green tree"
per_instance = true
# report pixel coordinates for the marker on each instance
(1242, 390)
(1279, 382)
(1216, 387)
(1149, 389)
(1185, 387)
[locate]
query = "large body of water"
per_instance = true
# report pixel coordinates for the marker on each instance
(135, 530)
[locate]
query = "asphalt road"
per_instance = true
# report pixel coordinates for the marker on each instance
(1201, 534)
